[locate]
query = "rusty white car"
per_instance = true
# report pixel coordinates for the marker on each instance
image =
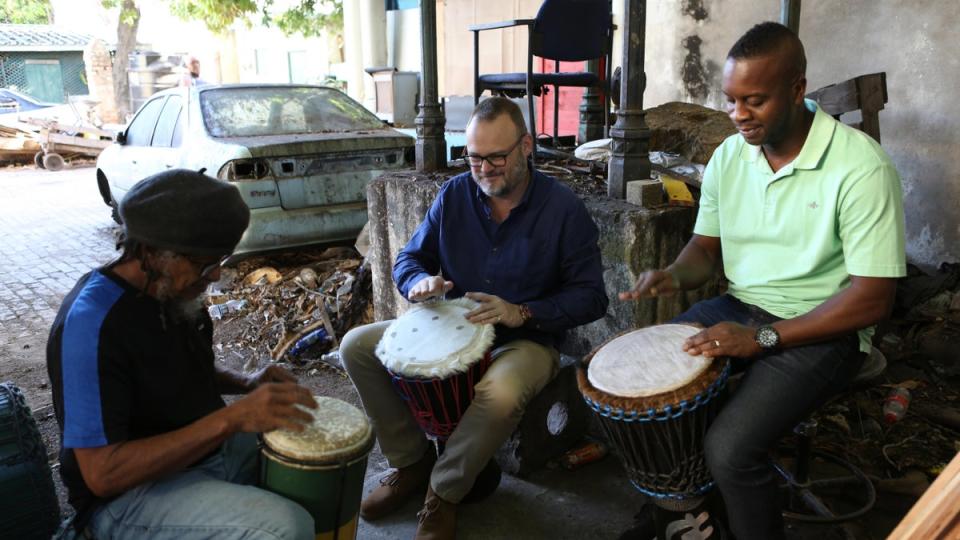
(302, 156)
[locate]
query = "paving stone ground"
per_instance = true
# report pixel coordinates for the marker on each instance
(54, 228)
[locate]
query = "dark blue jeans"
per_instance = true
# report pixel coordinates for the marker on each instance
(777, 391)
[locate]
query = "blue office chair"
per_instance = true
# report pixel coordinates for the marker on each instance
(564, 30)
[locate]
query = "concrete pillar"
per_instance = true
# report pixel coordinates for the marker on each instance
(431, 147)
(373, 22)
(99, 70)
(353, 50)
(591, 110)
(629, 159)
(790, 14)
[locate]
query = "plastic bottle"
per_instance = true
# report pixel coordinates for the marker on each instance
(218, 311)
(580, 456)
(895, 405)
(306, 341)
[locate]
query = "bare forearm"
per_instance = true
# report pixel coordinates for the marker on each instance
(865, 303)
(230, 382)
(128, 464)
(697, 263)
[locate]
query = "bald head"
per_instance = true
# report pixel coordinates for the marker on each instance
(770, 39)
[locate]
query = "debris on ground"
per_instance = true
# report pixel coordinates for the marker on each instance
(919, 343)
(291, 307)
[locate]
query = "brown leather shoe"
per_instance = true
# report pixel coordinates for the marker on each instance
(396, 487)
(438, 519)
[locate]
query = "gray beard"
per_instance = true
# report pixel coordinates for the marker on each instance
(186, 311)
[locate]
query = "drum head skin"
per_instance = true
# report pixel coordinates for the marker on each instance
(434, 340)
(646, 362)
(339, 432)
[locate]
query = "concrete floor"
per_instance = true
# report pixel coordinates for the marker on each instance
(593, 502)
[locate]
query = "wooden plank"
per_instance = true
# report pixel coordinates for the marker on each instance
(837, 99)
(872, 93)
(936, 516)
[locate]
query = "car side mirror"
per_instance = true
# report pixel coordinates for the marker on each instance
(121, 137)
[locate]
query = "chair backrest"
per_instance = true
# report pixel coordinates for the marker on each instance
(571, 30)
(866, 93)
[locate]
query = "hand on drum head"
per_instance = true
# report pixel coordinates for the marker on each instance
(651, 284)
(429, 287)
(724, 339)
(273, 406)
(494, 310)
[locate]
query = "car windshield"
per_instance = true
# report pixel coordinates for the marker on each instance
(252, 112)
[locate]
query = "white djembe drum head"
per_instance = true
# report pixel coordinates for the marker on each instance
(646, 362)
(434, 340)
(338, 431)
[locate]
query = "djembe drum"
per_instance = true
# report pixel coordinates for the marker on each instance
(654, 403)
(323, 467)
(435, 357)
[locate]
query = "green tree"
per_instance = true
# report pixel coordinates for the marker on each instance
(306, 17)
(25, 11)
(127, 25)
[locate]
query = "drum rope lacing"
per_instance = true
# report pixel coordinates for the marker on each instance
(669, 412)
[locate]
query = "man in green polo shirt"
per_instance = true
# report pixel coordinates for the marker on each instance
(804, 216)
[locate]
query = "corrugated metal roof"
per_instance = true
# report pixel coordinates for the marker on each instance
(41, 37)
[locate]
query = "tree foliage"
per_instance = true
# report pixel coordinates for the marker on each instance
(306, 17)
(25, 11)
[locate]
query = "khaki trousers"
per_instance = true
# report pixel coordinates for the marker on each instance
(520, 370)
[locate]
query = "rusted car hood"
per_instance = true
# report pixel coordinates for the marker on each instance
(309, 143)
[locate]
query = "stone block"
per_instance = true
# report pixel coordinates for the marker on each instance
(646, 193)
(632, 240)
(554, 421)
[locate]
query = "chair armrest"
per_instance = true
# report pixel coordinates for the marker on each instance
(501, 24)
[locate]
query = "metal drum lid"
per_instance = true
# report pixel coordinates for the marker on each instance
(646, 362)
(339, 432)
(434, 340)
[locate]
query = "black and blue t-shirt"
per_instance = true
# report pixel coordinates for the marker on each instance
(121, 368)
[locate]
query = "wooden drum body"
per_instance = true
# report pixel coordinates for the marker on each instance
(323, 467)
(435, 357)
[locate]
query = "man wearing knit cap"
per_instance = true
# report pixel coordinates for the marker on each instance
(148, 447)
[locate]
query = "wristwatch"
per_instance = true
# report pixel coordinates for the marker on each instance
(767, 337)
(525, 314)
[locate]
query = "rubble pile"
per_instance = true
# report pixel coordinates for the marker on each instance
(292, 306)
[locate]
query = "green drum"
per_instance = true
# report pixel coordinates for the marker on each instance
(323, 467)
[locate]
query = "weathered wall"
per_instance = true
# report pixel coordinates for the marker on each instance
(913, 42)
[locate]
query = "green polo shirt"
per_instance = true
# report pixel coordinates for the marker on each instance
(793, 238)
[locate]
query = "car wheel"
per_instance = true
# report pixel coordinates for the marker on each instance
(38, 160)
(52, 162)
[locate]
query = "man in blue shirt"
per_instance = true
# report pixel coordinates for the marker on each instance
(522, 246)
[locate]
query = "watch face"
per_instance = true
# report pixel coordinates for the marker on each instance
(767, 337)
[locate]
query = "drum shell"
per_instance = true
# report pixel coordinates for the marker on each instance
(28, 500)
(438, 404)
(660, 438)
(329, 491)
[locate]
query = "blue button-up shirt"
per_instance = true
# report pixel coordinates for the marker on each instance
(544, 254)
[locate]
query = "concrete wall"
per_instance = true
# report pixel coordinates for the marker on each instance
(913, 42)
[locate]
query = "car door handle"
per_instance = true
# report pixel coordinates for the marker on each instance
(134, 162)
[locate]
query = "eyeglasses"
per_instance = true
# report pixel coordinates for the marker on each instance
(495, 160)
(208, 268)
